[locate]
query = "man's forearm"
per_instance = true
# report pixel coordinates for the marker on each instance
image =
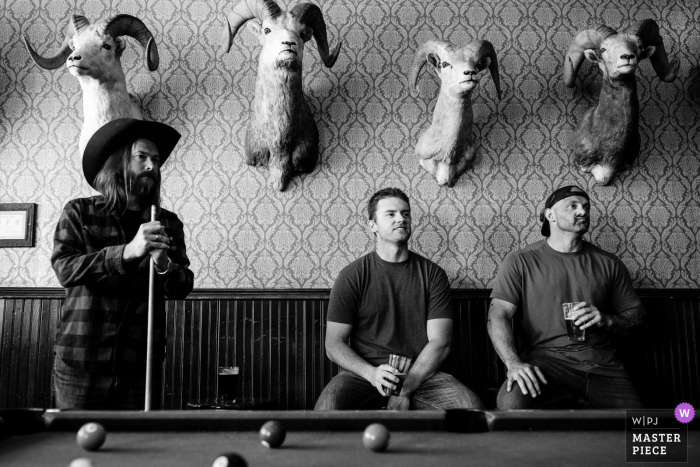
(501, 333)
(425, 366)
(341, 354)
(74, 268)
(623, 323)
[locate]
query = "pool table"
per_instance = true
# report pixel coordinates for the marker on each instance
(196, 437)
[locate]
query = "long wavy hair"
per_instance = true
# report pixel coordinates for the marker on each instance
(115, 184)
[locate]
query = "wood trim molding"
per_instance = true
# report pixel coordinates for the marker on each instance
(307, 294)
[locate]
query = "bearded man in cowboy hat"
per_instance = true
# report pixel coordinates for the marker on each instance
(102, 251)
(551, 369)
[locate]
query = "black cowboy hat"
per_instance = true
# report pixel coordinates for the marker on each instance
(115, 134)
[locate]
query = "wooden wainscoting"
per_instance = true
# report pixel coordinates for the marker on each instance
(276, 338)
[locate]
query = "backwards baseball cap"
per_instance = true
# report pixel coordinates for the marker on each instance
(554, 198)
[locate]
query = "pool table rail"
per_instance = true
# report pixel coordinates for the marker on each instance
(22, 421)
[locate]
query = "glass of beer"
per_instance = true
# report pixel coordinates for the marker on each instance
(574, 332)
(227, 382)
(402, 364)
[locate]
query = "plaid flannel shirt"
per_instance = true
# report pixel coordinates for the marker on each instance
(105, 315)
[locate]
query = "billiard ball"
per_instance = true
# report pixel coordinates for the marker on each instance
(91, 436)
(230, 459)
(376, 437)
(272, 434)
(82, 462)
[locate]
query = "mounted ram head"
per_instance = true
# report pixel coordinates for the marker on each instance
(281, 133)
(607, 137)
(92, 53)
(447, 148)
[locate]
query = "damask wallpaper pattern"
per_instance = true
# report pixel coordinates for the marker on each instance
(243, 234)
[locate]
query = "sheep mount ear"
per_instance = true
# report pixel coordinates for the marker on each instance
(434, 61)
(592, 55)
(255, 26)
(648, 52)
(307, 34)
(484, 64)
(119, 46)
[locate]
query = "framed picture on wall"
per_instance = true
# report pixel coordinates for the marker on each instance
(17, 224)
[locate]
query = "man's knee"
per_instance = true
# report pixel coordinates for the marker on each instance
(443, 392)
(514, 399)
(326, 401)
(346, 391)
(331, 396)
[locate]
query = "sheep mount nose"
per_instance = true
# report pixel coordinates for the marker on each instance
(627, 57)
(74, 57)
(470, 72)
(289, 43)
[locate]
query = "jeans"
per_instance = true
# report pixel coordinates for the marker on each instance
(348, 391)
(80, 390)
(568, 388)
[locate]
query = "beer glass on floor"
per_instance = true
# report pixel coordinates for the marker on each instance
(228, 382)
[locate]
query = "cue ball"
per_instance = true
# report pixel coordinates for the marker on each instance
(376, 437)
(272, 434)
(91, 436)
(230, 459)
(82, 462)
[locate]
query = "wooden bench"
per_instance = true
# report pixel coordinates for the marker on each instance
(276, 338)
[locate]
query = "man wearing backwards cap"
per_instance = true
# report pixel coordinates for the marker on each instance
(551, 371)
(102, 248)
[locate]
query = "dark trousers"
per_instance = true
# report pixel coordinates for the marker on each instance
(80, 390)
(348, 391)
(568, 387)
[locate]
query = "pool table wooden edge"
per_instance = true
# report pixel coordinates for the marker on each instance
(19, 421)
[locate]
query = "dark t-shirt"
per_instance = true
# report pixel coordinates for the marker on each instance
(388, 304)
(130, 222)
(538, 279)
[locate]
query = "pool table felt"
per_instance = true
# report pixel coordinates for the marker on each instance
(325, 448)
(191, 438)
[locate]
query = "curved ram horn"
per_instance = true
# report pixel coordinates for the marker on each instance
(127, 25)
(420, 58)
(648, 33)
(485, 49)
(51, 63)
(312, 16)
(587, 39)
(244, 11)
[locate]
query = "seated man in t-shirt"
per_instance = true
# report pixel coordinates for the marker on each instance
(391, 301)
(533, 284)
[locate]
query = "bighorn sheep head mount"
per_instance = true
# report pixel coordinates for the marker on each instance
(607, 137)
(281, 133)
(447, 148)
(92, 53)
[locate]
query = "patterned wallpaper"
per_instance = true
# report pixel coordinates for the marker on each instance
(243, 234)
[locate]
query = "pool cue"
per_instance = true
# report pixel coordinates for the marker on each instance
(149, 335)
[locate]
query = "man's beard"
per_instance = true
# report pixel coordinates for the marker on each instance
(142, 184)
(575, 226)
